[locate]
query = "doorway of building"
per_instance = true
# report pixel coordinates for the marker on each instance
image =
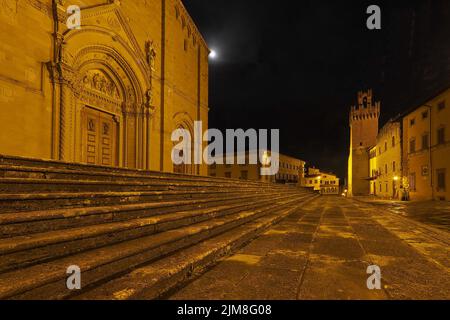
(99, 138)
(394, 190)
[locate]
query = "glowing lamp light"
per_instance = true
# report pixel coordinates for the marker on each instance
(396, 178)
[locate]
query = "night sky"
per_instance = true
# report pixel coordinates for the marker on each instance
(298, 65)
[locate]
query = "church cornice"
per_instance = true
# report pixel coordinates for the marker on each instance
(179, 4)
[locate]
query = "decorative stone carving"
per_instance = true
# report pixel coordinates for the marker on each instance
(150, 53)
(105, 129)
(150, 109)
(113, 23)
(91, 125)
(99, 82)
(9, 8)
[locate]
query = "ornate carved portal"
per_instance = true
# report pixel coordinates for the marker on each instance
(102, 91)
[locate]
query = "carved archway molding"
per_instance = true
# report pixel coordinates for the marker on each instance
(182, 120)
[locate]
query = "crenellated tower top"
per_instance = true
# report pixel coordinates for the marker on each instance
(366, 109)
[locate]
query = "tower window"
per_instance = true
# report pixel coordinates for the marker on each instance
(425, 141)
(393, 142)
(441, 135)
(412, 122)
(441, 106)
(425, 115)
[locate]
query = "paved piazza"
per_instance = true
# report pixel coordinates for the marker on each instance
(322, 251)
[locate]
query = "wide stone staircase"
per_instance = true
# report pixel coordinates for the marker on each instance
(134, 234)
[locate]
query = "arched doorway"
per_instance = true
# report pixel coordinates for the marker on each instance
(185, 168)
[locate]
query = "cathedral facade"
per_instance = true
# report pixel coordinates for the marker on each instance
(109, 92)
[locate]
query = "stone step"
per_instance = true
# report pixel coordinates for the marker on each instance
(22, 251)
(107, 172)
(63, 200)
(7, 171)
(48, 280)
(17, 185)
(29, 222)
(155, 280)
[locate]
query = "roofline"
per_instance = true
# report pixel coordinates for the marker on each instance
(237, 153)
(424, 102)
(194, 24)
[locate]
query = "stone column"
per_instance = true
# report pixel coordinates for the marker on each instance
(125, 135)
(62, 119)
(144, 138)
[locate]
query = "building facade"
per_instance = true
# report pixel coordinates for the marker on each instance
(411, 157)
(291, 170)
(108, 93)
(426, 149)
(325, 183)
(363, 136)
(386, 162)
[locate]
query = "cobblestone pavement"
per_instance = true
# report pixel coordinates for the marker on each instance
(323, 250)
(433, 213)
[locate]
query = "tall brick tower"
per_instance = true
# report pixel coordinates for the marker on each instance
(363, 135)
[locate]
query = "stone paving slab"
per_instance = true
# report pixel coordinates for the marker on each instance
(434, 213)
(323, 250)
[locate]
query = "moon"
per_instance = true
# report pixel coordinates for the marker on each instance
(213, 54)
